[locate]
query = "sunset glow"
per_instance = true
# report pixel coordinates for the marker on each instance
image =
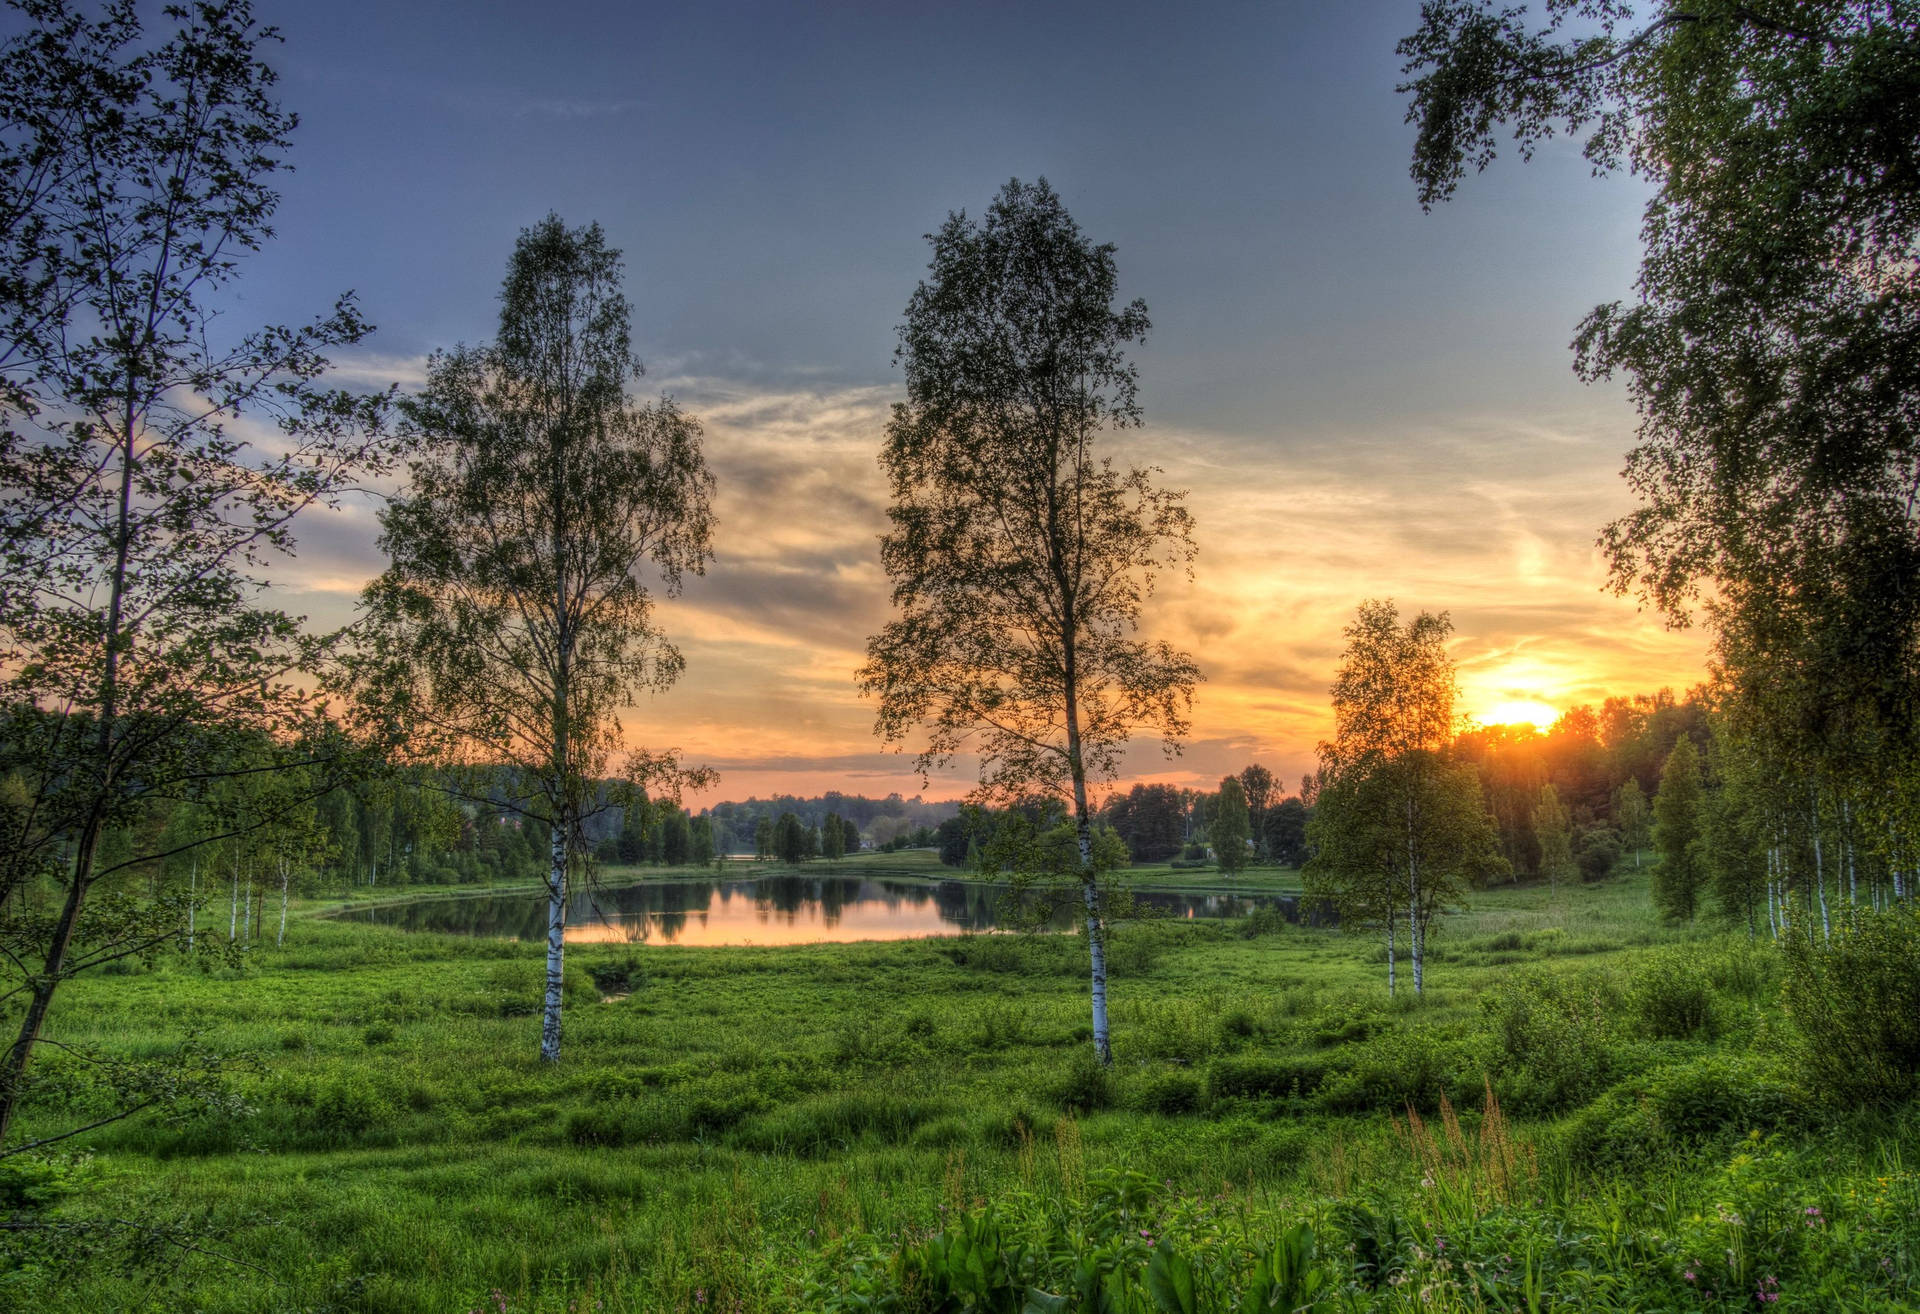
(1520, 712)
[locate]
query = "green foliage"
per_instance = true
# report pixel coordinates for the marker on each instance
(1672, 997)
(1678, 825)
(1087, 1086)
(1261, 1077)
(1649, 1119)
(1230, 828)
(1855, 1005)
(1553, 828)
(1552, 1043)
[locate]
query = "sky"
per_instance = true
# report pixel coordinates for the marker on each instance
(1361, 400)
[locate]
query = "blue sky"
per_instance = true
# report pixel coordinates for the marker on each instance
(1363, 399)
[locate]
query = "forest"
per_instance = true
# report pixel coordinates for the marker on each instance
(396, 966)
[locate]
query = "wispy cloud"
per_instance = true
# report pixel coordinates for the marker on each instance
(1492, 519)
(569, 109)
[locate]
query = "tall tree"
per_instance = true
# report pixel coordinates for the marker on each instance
(1020, 555)
(1631, 814)
(790, 839)
(1257, 783)
(517, 616)
(1285, 832)
(1678, 824)
(1393, 721)
(138, 667)
(676, 838)
(1553, 827)
(1231, 827)
(1771, 352)
(833, 837)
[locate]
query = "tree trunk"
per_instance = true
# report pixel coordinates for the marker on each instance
(48, 980)
(233, 905)
(1090, 896)
(556, 943)
(281, 938)
(193, 887)
(1820, 873)
(1414, 947)
(1392, 964)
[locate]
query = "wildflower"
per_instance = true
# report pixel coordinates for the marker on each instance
(1144, 1236)
(1689, 1275)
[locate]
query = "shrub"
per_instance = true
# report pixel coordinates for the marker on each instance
(1238, 1024)
(1855, 1004)
(1595, 851)
(1686, 1105)
(347, 1104)
(604, 1125)
(1169, 1092)
(1549, 1045)
(1412, 1067)
(1261, 1077)
(619, 976)
(1178, 1029)
(1085, 1087)
(1343, 1031)
(1672, 998)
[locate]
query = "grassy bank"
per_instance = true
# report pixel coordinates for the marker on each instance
(786, 1128)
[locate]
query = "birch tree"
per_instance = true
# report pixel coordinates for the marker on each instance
(1677, 825)
(138, 665)
(545, 512)
(1020, 552)
(1394, 808)
(1553, 826)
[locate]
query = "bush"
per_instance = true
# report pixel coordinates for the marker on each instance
(1086, 1086)
(1258, 1077)
(346, 1105)
(1238, 1024)
(1169, 1092)
(604, 1125)
(1855, 1004)
(1595, 851)
(1412, 1067)
(1549, 1046)
(1672, 998)
(1638, 1121)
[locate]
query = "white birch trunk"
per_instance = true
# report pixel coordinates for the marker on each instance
(281, 938)
(1820, 873)
(1414, 947)
(1391, 955)
(193, 889)
(556, 943)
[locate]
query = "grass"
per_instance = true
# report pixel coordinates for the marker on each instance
(783, 1128)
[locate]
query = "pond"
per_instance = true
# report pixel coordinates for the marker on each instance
(767, 910)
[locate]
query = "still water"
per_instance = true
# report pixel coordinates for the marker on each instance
(765, 910)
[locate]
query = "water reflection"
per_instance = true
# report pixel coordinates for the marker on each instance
(767, 910)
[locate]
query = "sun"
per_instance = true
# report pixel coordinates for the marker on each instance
(1522, 711)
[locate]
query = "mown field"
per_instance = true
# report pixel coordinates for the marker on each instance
(917, 1125)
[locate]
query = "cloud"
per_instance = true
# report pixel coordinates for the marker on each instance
(569, 109)
(1490, 518)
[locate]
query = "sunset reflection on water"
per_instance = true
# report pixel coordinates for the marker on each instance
(760, 910)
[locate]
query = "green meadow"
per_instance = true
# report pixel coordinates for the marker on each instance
(1586, 1108)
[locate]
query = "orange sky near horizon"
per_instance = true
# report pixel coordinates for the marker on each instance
(1491, 519)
